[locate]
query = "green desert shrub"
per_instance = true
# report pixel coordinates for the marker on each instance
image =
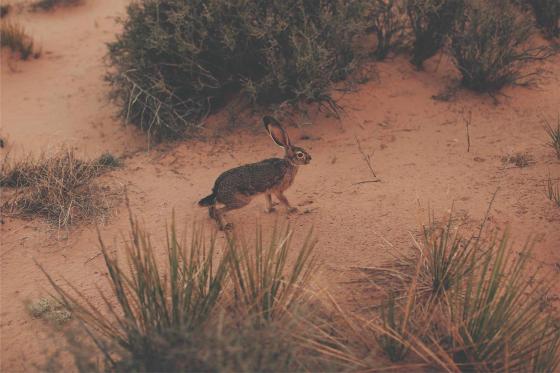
(387, 22)
(490, 45)
(547, 13)
(177, 61)
(431, 22)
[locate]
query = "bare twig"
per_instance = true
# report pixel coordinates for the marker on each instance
(367, 181)
(367, 157)
(93, 257)
(467, 119)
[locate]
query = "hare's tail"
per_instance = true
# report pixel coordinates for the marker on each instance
(208, 201)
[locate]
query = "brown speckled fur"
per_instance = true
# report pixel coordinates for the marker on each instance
(235, 188)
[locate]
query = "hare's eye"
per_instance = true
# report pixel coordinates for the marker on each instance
(299, 155)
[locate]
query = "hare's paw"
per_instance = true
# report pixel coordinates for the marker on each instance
(293, 210)
(227, 227)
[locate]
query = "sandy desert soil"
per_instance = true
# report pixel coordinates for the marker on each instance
(420, 155)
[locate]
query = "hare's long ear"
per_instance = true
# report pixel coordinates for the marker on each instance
(277, 132)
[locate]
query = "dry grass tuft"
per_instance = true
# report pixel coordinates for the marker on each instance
(60, 188)
(14, 37)
(50, 4)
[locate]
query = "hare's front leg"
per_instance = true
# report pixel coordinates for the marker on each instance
(269, 205)
(282, 198)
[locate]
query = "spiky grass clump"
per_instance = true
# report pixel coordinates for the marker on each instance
(554, 135)
(177, 61)
(398, 328)
(497, 322)
(447, 259)
(60, 187)
(552, 191)
(440, 262)
(180, 315)
(547, 13)
(267, 287)
(431, 21)
(476, 306)
(395, 327)
(490, 46)
(14, 37)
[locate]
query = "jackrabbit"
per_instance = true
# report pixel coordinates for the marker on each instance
(235, 188)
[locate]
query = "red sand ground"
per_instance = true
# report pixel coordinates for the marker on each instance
(420, 155)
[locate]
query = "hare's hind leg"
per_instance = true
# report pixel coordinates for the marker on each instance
(213, 213)
(282, 198)
(235, 203)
